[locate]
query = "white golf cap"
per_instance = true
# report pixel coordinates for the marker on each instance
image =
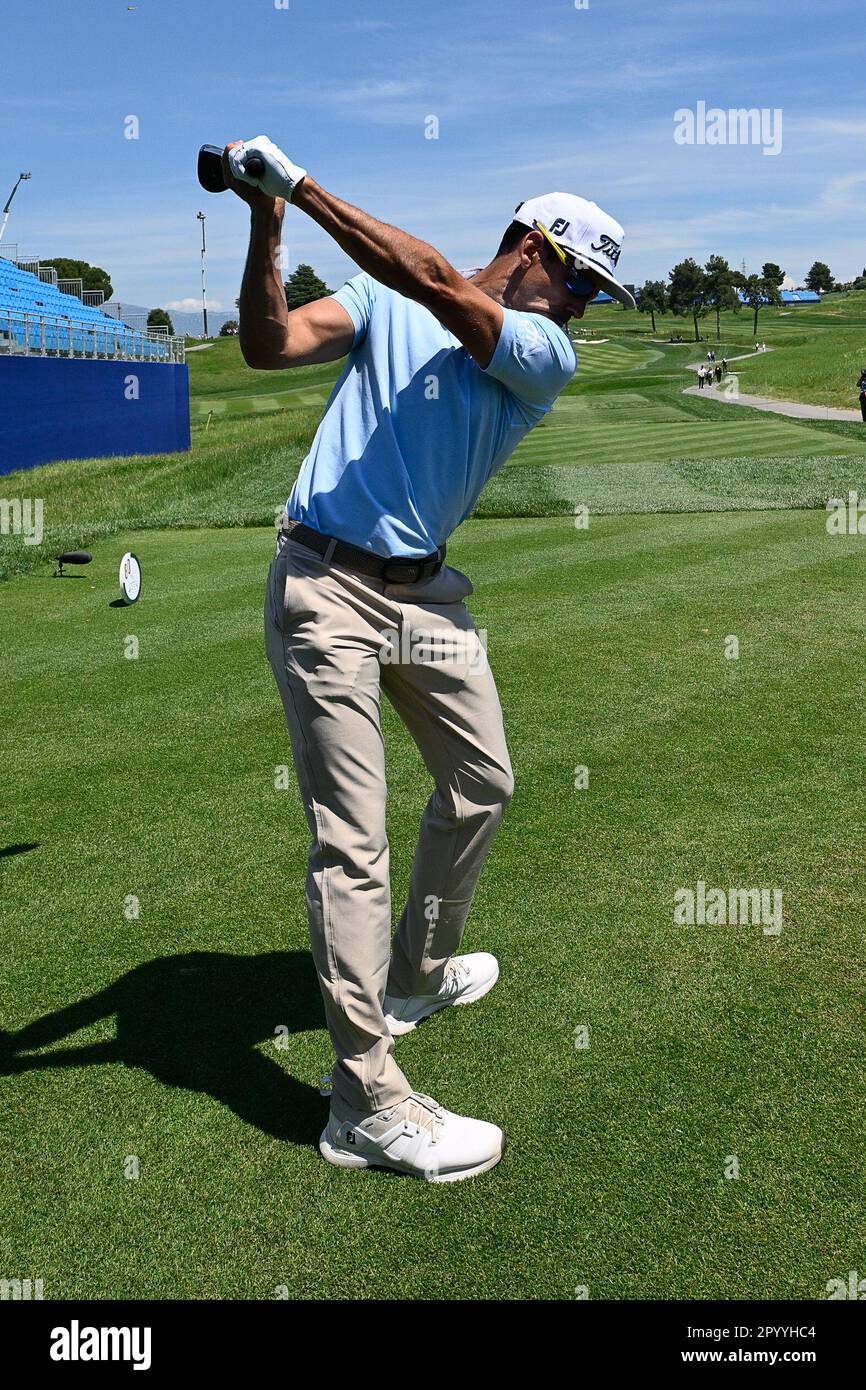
(582, 229)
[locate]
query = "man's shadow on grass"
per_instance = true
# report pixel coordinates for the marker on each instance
(195, 1021)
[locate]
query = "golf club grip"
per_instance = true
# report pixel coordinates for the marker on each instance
(254, 165)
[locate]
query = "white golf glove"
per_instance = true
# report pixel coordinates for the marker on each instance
(281, 176)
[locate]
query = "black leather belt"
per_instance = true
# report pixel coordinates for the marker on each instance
(398, 570)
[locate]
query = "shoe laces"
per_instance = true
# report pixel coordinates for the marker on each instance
(426, 1113)
(421, 1110)
(456, 975)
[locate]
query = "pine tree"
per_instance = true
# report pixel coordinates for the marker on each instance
(820, 278)
(158, 318)
(653, 299)
(303, 286)
(687, 293)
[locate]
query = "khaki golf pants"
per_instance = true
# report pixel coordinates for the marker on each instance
(335, 639)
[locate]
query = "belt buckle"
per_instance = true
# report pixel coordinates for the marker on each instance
(410, 571)
(420, 569)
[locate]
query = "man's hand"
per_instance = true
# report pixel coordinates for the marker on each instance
(280, 177)
(249, 192)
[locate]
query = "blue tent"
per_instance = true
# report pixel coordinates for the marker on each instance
(790, 297)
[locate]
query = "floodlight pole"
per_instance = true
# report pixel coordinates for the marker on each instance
(201, 218)
(9, 203)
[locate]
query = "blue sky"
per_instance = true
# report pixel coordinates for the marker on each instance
(529, 97)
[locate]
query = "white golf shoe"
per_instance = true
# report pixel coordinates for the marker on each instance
(418, 1137)
(467, 978)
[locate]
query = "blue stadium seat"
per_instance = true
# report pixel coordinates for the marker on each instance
(24, 292)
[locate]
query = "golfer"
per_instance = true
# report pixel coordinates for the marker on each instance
(445, 373)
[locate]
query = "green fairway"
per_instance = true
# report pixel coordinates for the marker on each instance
(621, 438)
(820, 349)
(222, 385)
(154, 1037)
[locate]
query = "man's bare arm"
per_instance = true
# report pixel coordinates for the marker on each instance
(412, 267)
(264, 329)
(271, 338)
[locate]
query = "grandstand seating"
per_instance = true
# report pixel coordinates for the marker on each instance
(35, 315)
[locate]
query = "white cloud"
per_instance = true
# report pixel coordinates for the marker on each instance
(828, 125)
(356, 94)
(841, 194)
(191, 305)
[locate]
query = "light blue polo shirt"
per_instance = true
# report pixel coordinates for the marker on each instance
(414, 427)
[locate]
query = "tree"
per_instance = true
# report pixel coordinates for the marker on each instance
(653, 299)
(158, 318)
(93, 277)
(820, 278)
(753, 293)
(760, 290)
(720, 287)
(229, 328)
(303, 286)
(687, 293)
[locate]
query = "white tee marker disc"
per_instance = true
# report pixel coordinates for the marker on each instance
(130, 578)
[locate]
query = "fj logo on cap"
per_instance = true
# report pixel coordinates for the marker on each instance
(608, 247)
(559, 226)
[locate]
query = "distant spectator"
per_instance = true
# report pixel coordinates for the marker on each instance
(718, 371)
(861, 387)
(725, 365)
(701, 376)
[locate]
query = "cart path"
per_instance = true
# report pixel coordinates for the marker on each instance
(795, 409)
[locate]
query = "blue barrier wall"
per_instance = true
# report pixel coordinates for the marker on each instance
(65, 408)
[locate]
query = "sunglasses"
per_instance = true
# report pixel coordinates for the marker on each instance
(578, 281)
